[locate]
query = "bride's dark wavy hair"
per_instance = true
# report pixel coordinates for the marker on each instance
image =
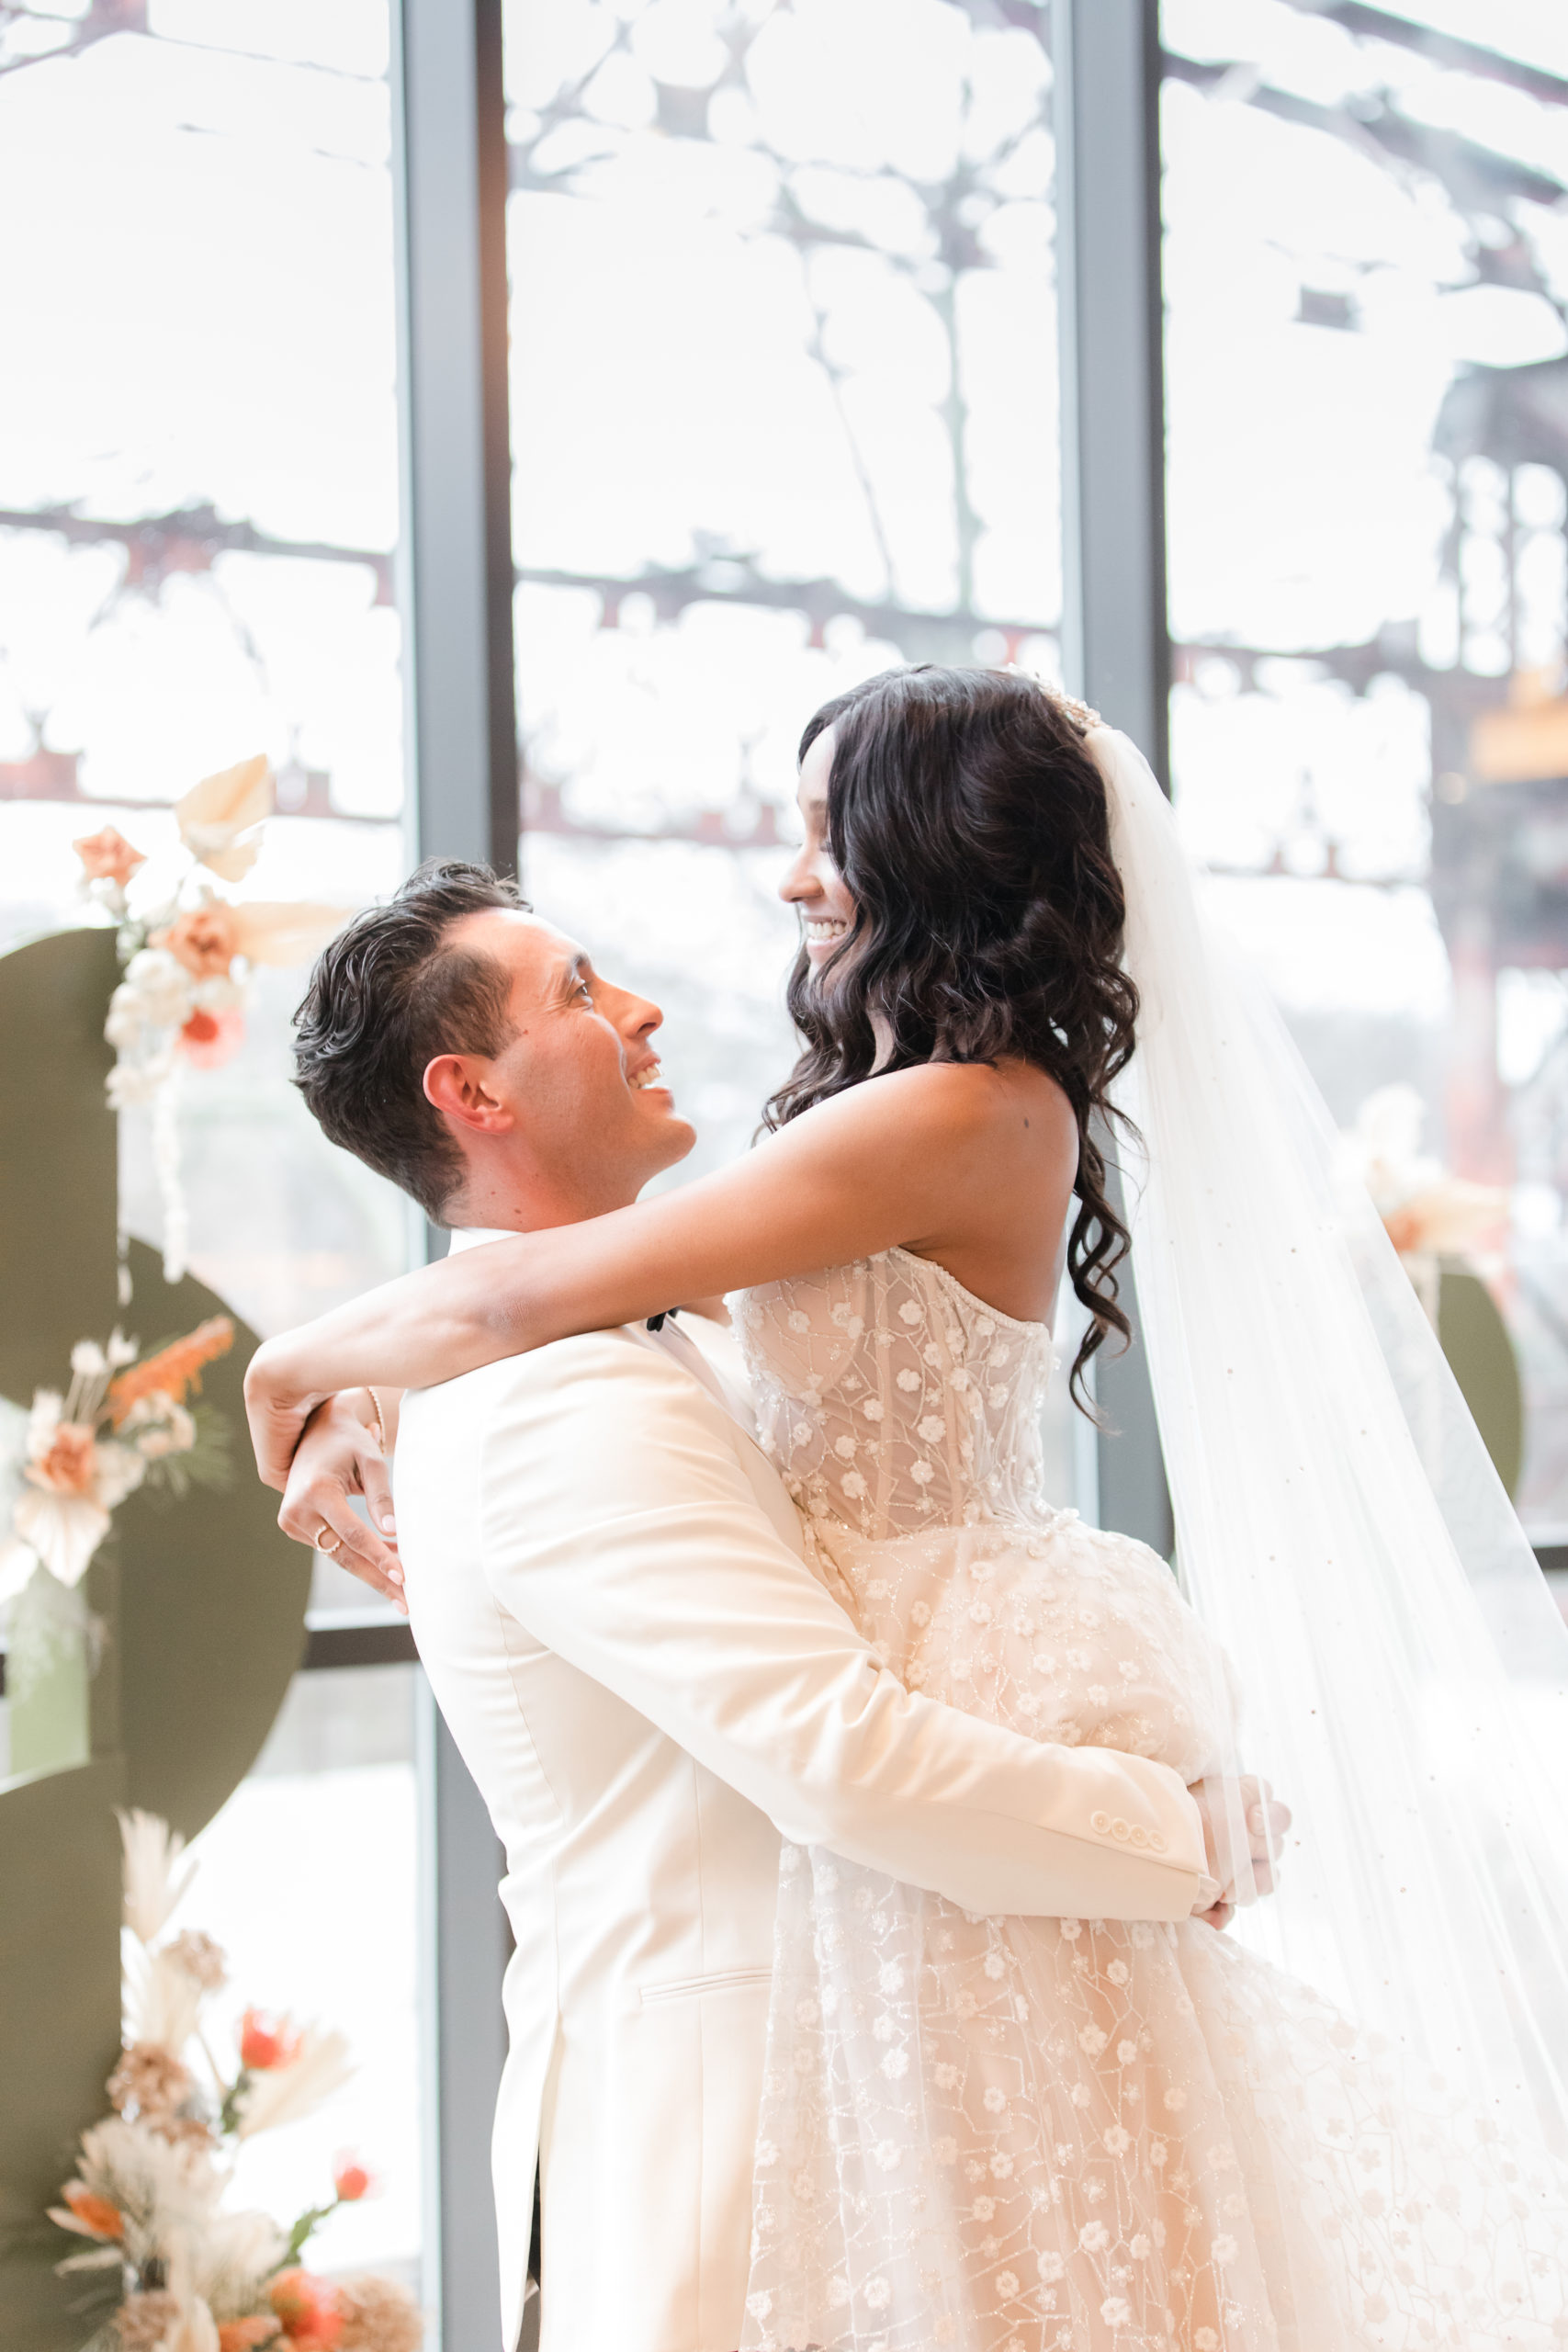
(969, 819)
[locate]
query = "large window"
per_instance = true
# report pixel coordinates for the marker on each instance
(198, 507)
(783, 414)
(1366, 283)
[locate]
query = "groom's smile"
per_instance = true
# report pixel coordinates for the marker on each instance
(574, 1109)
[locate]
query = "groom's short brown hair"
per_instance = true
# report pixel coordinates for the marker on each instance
(385, 997)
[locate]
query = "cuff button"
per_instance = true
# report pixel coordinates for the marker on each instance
(1157, 1841)
(1140, 1835)
(1120, 1830)
(1101, 1821)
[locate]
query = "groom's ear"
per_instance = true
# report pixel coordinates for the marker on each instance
(457, 1085)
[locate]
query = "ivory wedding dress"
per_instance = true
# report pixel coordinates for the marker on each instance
(1015, 2135)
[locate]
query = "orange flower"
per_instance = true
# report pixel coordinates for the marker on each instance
(203, 940)
(108, 856)
(309, 2310)
(349, 2180)
(210, 1039)
(69, 1466)
(240, 2334)
(95, 2213)
(174, 1369)
(266, 2042)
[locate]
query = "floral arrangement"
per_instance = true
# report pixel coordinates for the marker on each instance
(148, 2191)
(1428, 1214)
(124, 1421)
(188, 953)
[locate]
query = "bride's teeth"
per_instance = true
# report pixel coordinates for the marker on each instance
(830, 928)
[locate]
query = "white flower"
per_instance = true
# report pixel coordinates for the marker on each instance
(87, 1357)
(119, 1470)
(933, 1430)
(162, 2001)
(944, 2151)
(838, 2293)
(995, 2102)
(799, 1322)
(62, 1531)
(158, 1427)
(1116, 2311)
(282, 2096)
(871, 1410)
(759, 2305)
(1007, 2284)
(1224, 2250)
(1118, 2140)
(844, 1447)
(919, 1614)
(1157, 2152)
(853, 1484)
(996, 1966)
(1118, 1972)
(1126, 2052)
(764, 2155)
(896, 2064)
(947, 2077)
(1139, 2247)
(1175, 2101)
(162, 987)
(1051, 2268)
(1092, 2041)
(1001, 2167)
(121, 1351)
(232, 2257)
(982, 2208)
(921, 1473)
(909, 1312)
(1094, 2237)
(909, 1381)
(888, 2155)
(878, 2294)
(151, 1851)
(890, 1977)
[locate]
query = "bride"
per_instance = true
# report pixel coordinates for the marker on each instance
(1349, 2129)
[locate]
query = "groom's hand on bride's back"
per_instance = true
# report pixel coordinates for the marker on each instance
(339, 1456)
(1243, 1833)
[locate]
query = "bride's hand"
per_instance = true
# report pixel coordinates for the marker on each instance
(339, 1456)
(1243, 1832)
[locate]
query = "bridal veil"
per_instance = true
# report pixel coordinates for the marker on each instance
(1340, 1527)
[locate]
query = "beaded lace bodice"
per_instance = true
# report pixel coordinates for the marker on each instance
(905, 1418)
(892, 1401)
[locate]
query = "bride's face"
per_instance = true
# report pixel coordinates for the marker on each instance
(814, 885)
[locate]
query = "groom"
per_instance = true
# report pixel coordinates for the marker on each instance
(606, 1581)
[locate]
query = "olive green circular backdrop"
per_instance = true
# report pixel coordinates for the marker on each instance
(201, 1603)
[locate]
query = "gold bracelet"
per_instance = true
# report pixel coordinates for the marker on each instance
(376, 1409)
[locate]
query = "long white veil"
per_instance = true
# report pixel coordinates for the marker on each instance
(1339, 1525)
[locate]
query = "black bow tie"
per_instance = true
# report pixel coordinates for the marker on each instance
(656, 1322)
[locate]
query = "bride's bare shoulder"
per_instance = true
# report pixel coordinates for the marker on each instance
(957, 1106)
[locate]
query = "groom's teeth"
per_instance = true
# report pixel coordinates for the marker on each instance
(651, 1076)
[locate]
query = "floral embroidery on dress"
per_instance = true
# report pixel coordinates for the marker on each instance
(1032, 2136)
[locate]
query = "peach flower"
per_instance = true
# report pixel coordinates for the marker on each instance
(266, 2042)
(349, 2180)
(207, 1040)
(69, 1464)
(108, 857)
(309, 2310)
(203, 939)
(94, 2215)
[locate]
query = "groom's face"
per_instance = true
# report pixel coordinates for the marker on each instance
(576, 1100)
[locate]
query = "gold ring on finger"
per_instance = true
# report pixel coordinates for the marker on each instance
(331, 1549)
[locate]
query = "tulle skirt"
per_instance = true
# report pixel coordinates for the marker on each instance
(1034, 2135)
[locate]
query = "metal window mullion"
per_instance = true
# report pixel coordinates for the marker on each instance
(455, 588)
(1115, 646)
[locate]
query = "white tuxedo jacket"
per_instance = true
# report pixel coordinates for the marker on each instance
(605, 1581)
